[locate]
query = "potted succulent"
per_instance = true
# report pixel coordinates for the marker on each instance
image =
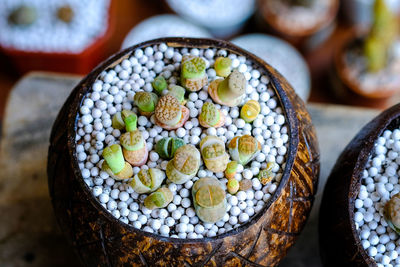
(368, 64)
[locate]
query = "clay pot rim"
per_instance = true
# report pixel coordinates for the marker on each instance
(272, 20)
(85, 85)
(93, 45)
(356, 33)
(385, 121)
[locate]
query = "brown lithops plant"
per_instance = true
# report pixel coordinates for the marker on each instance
(135, 149)
(184, 165)
(169, 113)
(229, 91)
(244, 148)
(209, 199)
(212, 150)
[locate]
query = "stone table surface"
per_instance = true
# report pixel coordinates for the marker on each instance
(29, 235)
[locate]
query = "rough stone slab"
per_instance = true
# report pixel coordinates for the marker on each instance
(29, 235)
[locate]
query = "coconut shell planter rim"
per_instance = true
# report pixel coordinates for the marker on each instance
(356, 36)
(339, 240)
(272, 19)
(99, 238)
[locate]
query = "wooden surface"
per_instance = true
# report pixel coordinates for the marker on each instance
(29, 235)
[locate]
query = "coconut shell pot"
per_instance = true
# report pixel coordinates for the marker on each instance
(100, 239)
(339, 240)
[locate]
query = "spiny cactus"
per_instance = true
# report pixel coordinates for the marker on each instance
(147, 181)
(159, 199)
(383, 32)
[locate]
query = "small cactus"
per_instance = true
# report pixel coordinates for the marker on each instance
(146, 102)
(392, 213)
(147, 181)
(210, 116)
(212, 150)
(222, 66)
(209, 199)
(159, 84)
(230, 170)
(159, 199)
(244, 148)
(135, 149)
(125, 118)
(230, 91)
(232, 186)
(167, 147)
(250, 111)
(184, 165)
(193, 73)
(265, 176)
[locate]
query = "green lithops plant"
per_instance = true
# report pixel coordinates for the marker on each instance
(231, 169)
(159, 84)
(244, 148)
(211, 116)
(209, 199)
(229, 91)
(265, 176)
(135, 149)
(159, 199)
(184, 165)
(392, 213)
(232, 186)
(222, 66)
(178, 92)
(125, 118)
(146, 181)
(23, 16)
(146, 102)
(212, 149)
(114, 163)
(193, 73)
(167, 147)
(383, 33)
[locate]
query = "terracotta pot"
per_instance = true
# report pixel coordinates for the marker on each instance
(339, 241)
(100, 239)
(77, 63)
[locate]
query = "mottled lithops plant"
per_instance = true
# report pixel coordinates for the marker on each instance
(178, 92)
(193, 73)
(244, 148)
(169, 113)
(231, 169)
(146, 102)
(212, 150)
(232, 186)
(250, 111)
(135, 149)
(392, 213)
(167, 146)
(222, 66)
(209, 199)
(23, 16)
(159, 199)
(114, 163)
(265, 176)
(211, 116)
(147, 180)
(229, 91)
(65, 13)
(184, 165)
(159, 84)
(125, 119)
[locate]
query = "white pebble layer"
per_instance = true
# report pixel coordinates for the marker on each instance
(49, 34)
(114, 90)
(380, 182)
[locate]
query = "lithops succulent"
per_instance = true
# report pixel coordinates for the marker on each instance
(169, 113)
(245, 184)
(167, 146)
(232, 186)
(65, 13)
(159, 199)
(23, 16)
(244, 148)
(114, 163)
(210, 116)
(125, 119)
(392, 213)
(146, 102)
(230, 170)
(147, 181)
(159, 84)
(229, 91)
(212, 150)
(222, 66)
(135, 149)
(209, 199)
(250, 111)
(265, 176)
(184, 165)
(178, 92)
(193, 73)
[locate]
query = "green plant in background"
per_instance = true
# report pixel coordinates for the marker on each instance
(23, 16)
(381, 37)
